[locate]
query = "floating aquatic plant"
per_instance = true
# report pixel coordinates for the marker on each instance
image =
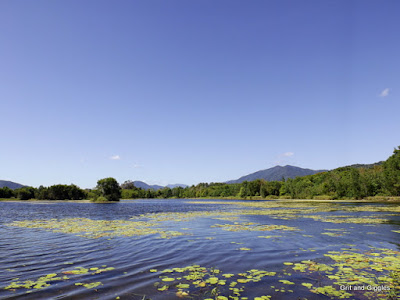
(209, 282)
(335, 233)
(347, 219)
(249, 226)
(91, 285)
(373, 268)
(47, 280)
(40, 283)
(89, 228)
(269, 236)
(287, 210)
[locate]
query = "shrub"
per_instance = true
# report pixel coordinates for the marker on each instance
(99, 199)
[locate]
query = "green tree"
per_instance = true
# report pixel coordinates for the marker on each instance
(244, 189)
(148, 194)
(391, 173)
(273, 187)
(177, 192)
(166, 193)
(58, 192)
(25, 193)
(6, 192)
(42, 193)
(109, 188)
(355, 184)
(75, 193)
(372, 180)
(253, 187)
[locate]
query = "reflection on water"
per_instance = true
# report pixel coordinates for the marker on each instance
(104, 251)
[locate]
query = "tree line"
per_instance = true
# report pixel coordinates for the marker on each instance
(107, 190)
(341, 183)
(54, 192)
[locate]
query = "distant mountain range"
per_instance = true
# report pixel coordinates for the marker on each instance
(10, 184)
(145, 186)
(171, 186)
(276, 174)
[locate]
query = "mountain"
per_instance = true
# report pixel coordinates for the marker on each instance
(10, 184)
(145, 186)
(276, 174)
(171, 186)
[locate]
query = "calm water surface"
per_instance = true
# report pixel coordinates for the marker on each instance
(29, 253)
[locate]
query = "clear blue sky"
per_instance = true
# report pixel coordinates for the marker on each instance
(194, 91)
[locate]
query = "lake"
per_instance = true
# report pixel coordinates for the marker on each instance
(199, 249)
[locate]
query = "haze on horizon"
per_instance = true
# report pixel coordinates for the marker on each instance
(194, 91)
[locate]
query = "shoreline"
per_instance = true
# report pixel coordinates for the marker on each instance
(379, 200)
(43, 201)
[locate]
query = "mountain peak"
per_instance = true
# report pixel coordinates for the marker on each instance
(10, 184)
(276, 173)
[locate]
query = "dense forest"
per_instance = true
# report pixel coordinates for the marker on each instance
(352, 182)
(107, 189)
(54, 192)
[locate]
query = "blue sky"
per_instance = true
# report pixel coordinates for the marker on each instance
(194, 91)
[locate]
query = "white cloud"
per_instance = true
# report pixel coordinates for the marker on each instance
(137, 166)
(288, 154)
(115, 157)
(384, 93)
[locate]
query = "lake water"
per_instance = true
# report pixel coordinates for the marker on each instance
(208, 249)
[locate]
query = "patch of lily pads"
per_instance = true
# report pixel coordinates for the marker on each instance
(374, 274)
(348, 219)
(335, 232)
(208, 283)
(186, 216)
(376, 270)
(89, 228)
(136, 226)
(287, 210)
(250, 226)
(49, 279)
(40, 283)
(269, 236)
(312, 205)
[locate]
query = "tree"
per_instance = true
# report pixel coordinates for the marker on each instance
(166, 192)
(391, 173)
(355, 184)
(25, 193)
(128, 185)
(242, 192)
(58, 192)
(253, 187)
(75, 193)
(109, 188)
(42, 193)
(149, 194)
(177, 192)
(6, 192)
